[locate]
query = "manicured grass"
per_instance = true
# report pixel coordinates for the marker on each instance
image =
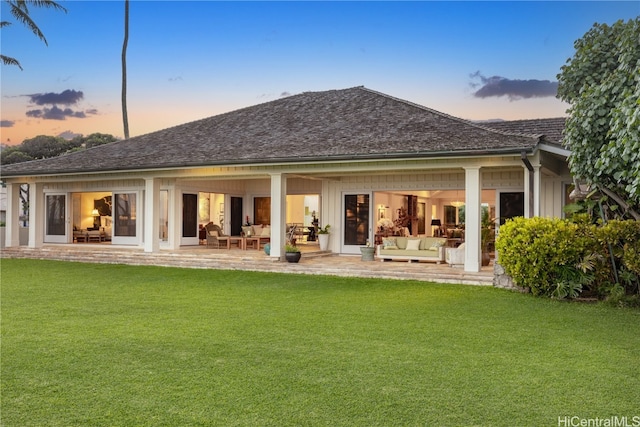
(106, 345)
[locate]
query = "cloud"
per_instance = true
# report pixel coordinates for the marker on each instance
(514, 89)
(55, 113)
(67, 97)
(50, 102)
(7, 123)
(68, 135)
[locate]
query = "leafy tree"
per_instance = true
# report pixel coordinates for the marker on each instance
(20, 11)
(13, 155)
(96, 139)
(43, 146)
(602, 84)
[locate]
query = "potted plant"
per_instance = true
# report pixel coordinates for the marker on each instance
(323, 237)
(487, 235)
(292, 253)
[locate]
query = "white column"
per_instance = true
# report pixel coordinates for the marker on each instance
(473, 219)
(36, 215)
(175, 214)
(12, 237)
(537, 182)
(151, 215)
(12, 226)
(528, 193)
(278, 214)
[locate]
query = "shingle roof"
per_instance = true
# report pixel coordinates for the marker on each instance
(551, 128)
(331, 125)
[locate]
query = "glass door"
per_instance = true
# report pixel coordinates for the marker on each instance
(56, 218)
(163, 217)
(125, 219)
(189, 219)
(356, 222)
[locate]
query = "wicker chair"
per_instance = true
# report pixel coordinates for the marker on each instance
(215, 236)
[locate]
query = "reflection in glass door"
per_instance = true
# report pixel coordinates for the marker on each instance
(164, 216)
(125, 227)
(356, 221)
(56, 215)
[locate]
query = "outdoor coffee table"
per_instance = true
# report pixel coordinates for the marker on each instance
(253, 241)
(239, 240)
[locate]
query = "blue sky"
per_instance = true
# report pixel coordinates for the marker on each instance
(189, 60)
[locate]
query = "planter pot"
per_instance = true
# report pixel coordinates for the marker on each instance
(323, 240)
(24, 236)
(486, 259)
(367, 253)
(267, 249)
(292, 256)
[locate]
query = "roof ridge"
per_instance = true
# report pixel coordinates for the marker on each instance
(449, 116)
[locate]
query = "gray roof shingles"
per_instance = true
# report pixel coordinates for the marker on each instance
(551, 129)
(330, 125)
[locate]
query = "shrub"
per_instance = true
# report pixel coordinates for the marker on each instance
(559, 258)
(541, 254)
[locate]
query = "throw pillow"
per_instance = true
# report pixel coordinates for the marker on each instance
(266, 232)
(413, 244)
(437, 244)
(389, 243)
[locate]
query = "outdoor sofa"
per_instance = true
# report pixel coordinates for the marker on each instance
(412, 249)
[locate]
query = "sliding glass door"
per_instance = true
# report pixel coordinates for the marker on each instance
(56, 230)
(126, 227)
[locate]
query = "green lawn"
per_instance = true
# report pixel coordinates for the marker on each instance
(106, 345)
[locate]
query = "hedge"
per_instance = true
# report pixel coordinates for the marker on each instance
(567, 258)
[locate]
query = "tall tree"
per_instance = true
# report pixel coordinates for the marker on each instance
(602, 84)
(20, 11)
(125, 115)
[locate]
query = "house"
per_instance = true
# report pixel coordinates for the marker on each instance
(353, 156)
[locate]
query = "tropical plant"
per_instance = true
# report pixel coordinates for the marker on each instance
(324, 230)
(290, 248)
(487, 231)
(601, 82)
(20, 11)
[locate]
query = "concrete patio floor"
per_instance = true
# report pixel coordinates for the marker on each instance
(313, 261)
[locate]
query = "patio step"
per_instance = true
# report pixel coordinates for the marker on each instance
(312, 262)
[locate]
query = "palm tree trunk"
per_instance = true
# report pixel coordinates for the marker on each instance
(125, 119)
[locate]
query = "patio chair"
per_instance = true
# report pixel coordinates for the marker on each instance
(215, 236)
(455, 256)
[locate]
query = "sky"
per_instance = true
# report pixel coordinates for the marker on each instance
(188, 60)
